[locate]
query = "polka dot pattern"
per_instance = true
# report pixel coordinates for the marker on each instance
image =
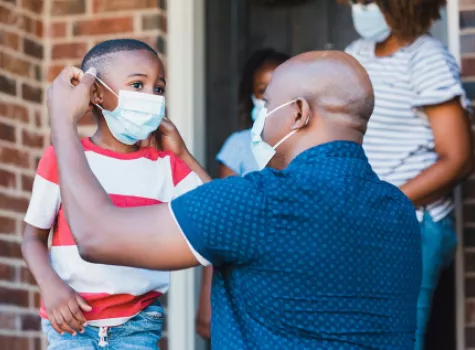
(322, 255)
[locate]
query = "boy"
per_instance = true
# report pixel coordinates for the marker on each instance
(87, 305)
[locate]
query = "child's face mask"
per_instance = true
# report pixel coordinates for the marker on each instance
(136, 116)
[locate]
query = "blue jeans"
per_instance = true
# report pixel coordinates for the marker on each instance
(141, 332)
(439, 243)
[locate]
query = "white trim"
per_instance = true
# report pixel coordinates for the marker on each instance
(202, 260)
(186, 102)
(453, 36)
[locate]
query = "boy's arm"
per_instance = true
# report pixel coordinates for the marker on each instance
(62, 304)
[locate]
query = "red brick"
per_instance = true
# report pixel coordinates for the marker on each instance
(9, 250)
(15, 65)
(38, 119)
(37, 343)
(69, 50)
(163, 343)
(468, 67)
(32, 139)
(68, 7)
(37, 300)
(121, 5)
(32, 93)
(27, 183)
(13, 111)
(7, 273)
(14, 157)
(32, 48)
(150, 22)
(7, 132)
(14, 343)
(8, 16)
(7, 85)
(9, 39)
(53, 72)
(30, 322)
(57, 30)
(33, 5)
(104, 26)
(7, 226)
(7, 320)
(7, 179)
(163, 23)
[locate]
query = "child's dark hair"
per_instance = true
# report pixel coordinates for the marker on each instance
(96, 56)
(256, 61)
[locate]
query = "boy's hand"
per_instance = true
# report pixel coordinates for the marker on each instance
(65, 308)
(67, 101)
(171, 139)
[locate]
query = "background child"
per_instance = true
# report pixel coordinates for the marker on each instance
(91, 305)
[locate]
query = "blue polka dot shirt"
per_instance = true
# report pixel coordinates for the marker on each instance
(321, 255)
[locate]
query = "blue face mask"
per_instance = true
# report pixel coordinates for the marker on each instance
(262, 151)
(258, 106)
(369, 22)
(136, 116)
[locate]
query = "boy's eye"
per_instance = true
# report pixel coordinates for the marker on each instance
(159, 90)
(137, 85)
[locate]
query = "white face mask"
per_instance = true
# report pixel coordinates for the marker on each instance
(136, 116)
(258, 106)
(369, 22)
(262, 151)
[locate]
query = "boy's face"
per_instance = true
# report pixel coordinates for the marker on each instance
(140, 71)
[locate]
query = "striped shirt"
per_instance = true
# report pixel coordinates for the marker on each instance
(399, 141)
(145, 177)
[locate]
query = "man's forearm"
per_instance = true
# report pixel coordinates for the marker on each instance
(82, 195)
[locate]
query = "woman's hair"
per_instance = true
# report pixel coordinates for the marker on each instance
(410, 19)
(257, 60)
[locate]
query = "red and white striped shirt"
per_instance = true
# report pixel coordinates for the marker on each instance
(145, 177)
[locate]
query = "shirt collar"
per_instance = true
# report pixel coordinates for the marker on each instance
(335, 149)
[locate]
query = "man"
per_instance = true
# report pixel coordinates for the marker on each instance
(313, 252)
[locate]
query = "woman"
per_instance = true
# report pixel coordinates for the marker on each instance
(236, 157)
(418, 137)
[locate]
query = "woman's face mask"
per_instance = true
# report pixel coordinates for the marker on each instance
(369, 22)
(136, 116)
(258, 106)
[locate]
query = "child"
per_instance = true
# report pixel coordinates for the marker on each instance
(91, 305)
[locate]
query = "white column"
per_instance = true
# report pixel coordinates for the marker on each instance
(453, 36)
(186, 101)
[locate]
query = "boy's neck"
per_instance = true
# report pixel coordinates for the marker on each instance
(104, 139)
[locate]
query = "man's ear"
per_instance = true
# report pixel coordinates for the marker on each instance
(302, 114)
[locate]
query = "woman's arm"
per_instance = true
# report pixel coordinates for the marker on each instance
(454, 147)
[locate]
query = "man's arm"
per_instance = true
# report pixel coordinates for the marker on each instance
(146, 237)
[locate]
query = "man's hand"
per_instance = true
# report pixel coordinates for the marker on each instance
(65, 308)
(203, 319)
(67, 102)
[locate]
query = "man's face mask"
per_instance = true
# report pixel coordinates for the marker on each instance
(136, 116)
(369, 22)
(258, 106)
(262, 151)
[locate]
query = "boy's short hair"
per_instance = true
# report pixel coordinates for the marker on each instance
(96, 56)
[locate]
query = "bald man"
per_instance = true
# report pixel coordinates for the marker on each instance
(312, 252)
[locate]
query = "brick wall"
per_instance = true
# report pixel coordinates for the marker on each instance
(37, 38)
(467, 31)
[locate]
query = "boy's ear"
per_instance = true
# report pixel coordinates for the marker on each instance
(97, 94)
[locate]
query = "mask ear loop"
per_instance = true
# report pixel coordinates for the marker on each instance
(288, 135)
(103, 84)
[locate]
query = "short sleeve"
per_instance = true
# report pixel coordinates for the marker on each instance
(45, 197)
(184, 180)
(223, 220)
(435, 76)
(230, 153)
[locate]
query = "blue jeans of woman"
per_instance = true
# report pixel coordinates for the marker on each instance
(439, 242)
(141, 332)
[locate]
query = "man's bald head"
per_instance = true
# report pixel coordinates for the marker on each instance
(333, 94)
